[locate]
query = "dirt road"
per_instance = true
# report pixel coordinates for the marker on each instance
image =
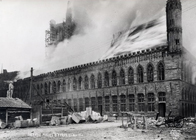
(93, 131)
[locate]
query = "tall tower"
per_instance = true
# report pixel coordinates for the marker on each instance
(174, 25)
(69, 14)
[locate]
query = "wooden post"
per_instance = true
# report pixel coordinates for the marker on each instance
(6, 116)
(122, 120)
(31, 85)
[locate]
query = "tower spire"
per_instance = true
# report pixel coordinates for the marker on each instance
(174, 25)
(69, 13)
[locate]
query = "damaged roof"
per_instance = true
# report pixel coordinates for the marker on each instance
(13, 103)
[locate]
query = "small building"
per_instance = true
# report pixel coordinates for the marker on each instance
(12, 107)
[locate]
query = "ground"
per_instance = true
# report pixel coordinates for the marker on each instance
(97, 131)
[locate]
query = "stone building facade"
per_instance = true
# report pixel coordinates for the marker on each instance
(146, 82)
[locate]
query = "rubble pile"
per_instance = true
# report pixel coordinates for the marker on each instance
(79, 117)
(2, 124)
(152, 122)
(20, 123)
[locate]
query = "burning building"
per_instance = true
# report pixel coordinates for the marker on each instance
(153, 80)
(61, 31)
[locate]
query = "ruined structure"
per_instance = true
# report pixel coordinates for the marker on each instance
(58, 32)
(147, 81)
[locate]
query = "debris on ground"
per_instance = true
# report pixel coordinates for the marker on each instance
(2, 124)
(55, 120)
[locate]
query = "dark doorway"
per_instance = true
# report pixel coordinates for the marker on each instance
(162, 109)
(100, 109)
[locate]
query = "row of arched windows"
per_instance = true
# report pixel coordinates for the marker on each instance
(103, 80)
(111, 103)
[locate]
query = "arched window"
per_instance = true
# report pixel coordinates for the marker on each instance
(99, 81)
(69, 84)
(130, 76)
(86, 85)
(150, 73)
(161, 71)
(54, 87)
(114, 78)
(49, 88)
(74, 84)
(92, 81)
(122, 77)
(64, 86)
(106, 79)
(80, 83)
(41, 90)
(37, 89)
(59, 86)
(140, 74)
(46, 88)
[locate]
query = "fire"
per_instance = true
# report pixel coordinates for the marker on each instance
(144, 36)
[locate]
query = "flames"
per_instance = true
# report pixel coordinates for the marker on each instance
(148, 35)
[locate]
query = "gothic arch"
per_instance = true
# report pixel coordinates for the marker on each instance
(54, 87)
(130, 76)
(58, 86)
(64, 85)
(150, 72)
(74, 83)
(140, 74)
(114, 78)
(161, 71)
(80, 83)
(86, 82)
(41, 88)
(45, 88)
(122, 77)
(99, 80)
(92, 81)
(106, 79)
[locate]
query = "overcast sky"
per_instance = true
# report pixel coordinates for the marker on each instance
(23, 24)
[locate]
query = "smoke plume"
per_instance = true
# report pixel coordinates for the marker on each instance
(96, 23)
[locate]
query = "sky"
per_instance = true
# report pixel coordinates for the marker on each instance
(23, 24)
